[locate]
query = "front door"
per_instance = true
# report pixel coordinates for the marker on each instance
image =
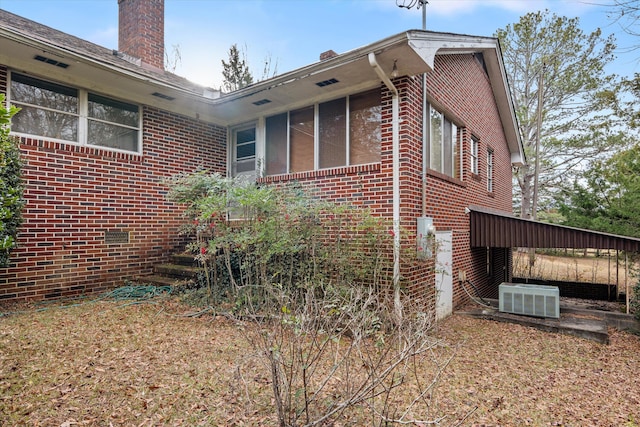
(444, 274)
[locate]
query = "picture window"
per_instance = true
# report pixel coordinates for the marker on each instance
(63, 113)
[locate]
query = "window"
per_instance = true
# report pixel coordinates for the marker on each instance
(365, 131)
(60, 112)
(244, 151)
(47, 109)
(473, 154)
(341, 132)
(444, 146)
(490, 171)
(333, 133)
(276, 141)
(112, 123)
(301, 138)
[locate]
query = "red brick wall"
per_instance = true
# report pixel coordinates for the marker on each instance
(460, 85)
(75, 194)
(461, 89)
(63, 251)
(371, 186)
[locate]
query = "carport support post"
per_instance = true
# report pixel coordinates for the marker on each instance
(617, 275)
(626, 278)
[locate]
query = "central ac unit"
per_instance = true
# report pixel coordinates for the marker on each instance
(531, 300)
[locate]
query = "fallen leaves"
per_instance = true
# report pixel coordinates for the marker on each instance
(143, 365)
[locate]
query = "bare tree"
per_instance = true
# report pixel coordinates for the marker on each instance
(338, 353)
(172, 58)
(627, 14)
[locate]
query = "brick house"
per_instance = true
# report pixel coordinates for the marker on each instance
(417, 127)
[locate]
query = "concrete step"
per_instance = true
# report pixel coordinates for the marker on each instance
(591, 329)
(156, 280)
(184, 258)
(177, 271)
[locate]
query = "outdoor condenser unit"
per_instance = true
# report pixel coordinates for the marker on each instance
(530, 300)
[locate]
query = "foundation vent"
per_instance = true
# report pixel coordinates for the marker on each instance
(111, 237)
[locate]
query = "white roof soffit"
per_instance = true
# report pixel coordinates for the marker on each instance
(414, 53)
(431, 44)
(18, 53)
(350, 72)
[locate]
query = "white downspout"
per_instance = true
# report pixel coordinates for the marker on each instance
(395, 153)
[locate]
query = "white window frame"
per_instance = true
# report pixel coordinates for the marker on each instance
(316, 140)
(453, 142)
(82, 115)
(490, 170)
(473, 155)
(234, 146)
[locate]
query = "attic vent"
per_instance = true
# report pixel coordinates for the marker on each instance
(50, 61)
(163, 96)
(116, 237)
(531, 300)
(262, 102)
(327, 82)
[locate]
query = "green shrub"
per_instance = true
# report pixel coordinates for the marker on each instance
(313, 280)
(281, 236)
(11, 185)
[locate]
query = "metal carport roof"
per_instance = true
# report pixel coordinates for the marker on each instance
(497, 229)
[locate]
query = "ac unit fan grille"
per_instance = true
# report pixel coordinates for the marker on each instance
(531, 300)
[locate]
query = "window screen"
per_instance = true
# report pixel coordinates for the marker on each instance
(47, 109)
(332, 118)
(365, 127)
(301, 133)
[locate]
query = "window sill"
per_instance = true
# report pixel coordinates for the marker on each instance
(322, 173)
(440, 175)
(91, 150)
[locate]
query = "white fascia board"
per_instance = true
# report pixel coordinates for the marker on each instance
(427, 45)
(73, 55)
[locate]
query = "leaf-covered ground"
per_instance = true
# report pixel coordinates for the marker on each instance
(111, 363)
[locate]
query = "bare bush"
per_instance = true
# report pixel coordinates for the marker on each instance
(335, 353)
(316, 279)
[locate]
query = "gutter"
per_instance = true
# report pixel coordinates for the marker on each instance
(395, 118)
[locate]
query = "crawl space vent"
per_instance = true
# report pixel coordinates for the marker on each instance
(116, 237)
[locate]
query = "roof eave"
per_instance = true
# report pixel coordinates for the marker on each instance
(140, 85)
(422, 47)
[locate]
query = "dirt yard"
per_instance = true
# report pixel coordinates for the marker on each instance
(113, 363)
(590, 268)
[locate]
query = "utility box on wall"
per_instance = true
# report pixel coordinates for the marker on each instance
(425, 237)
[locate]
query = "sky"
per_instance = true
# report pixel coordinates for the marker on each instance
(289, 34)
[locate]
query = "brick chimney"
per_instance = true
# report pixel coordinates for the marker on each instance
(141, 31)
(328, 55)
